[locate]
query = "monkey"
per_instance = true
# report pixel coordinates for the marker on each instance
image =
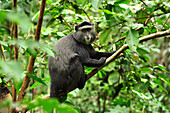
(73, 52)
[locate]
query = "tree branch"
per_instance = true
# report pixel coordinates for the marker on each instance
(124, 47)
(14, 95)
(15, 32)
(14, 91)
(168, 11)
(2, 52)
(32, 59)
(87, 15)
(144, 3)
(165, 22)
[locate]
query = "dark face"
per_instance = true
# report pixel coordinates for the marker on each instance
(85, 35)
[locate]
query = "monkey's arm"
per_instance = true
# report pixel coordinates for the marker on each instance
(97, 55)
(94, 62)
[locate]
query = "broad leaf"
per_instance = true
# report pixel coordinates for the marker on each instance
(36, 78)
(132, 39)
(105, 37)
(14, 70)
(96, 3)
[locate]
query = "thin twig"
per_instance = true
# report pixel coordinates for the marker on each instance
(97, 45)
(11, 35)
(168, 11)
(68, 24)
(2, 52)
(156, 25)
(7, 28)
(144, 3)
(14, 95)
(61, 18)
(15, 32)
(165, 22)
(114, 25)
(14, 91)
(87, 15)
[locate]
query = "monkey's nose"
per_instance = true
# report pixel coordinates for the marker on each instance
(89, 37)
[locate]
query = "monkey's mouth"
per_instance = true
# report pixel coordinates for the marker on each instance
(88, 40)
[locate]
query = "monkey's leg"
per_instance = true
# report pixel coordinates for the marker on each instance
(62, 98)
(82, 81)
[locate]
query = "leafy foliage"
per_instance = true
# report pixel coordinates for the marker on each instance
(137, 82)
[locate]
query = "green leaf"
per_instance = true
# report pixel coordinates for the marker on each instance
(3, 43)
(100, 74)
(155, 42)
(32, 52)
(140, 94)
(50, 22)
(105, 37)
(47, 32)
(108, 12)
(141, 15)
(159, 67)
(146, 58)
(162, 89)
(113, 78)
(60, 34)
(36, 78)
(3, 14)
(30, 45)
(13, 69)
(122, 2)
(46, 80)
(21, 19)
(163, 77)
(17, 83)
(158, 81)
(110, 66)
(124, 6)
(35, 16)
(96, 3)
(45, 103)
(145, 69)
(47, 50)
(49, 104)
(35, 85)
(134, 26)
(132, 39)
(65, 108)
(142, 51)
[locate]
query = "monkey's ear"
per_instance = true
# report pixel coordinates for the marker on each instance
(76, 27)
(92, 24)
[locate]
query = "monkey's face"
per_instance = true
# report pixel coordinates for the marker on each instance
(85, 35)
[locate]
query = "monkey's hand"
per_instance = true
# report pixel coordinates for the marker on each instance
(102, 60)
